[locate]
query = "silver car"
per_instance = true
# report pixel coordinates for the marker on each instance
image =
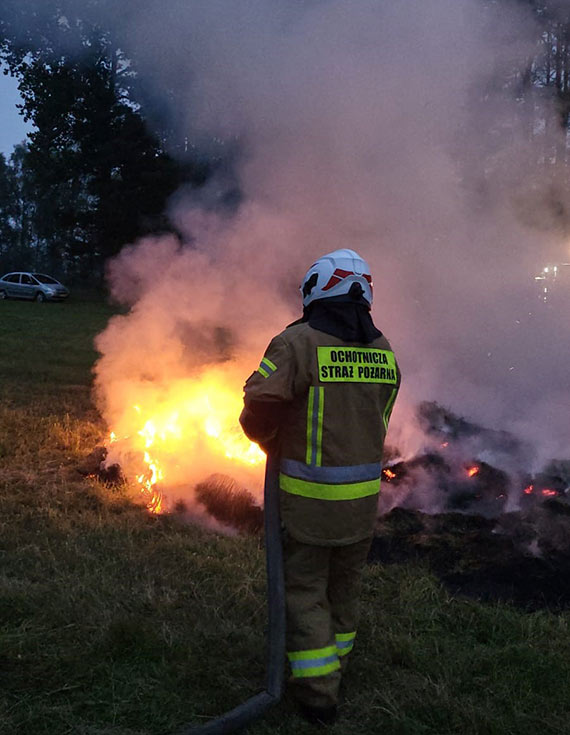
(34, 286)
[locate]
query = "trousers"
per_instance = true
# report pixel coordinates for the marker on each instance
(322, 590)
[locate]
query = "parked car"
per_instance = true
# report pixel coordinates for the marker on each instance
(34, 286)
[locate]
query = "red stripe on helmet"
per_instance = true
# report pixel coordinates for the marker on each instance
(337, 277)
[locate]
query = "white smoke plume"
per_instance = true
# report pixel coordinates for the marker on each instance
(393, 128)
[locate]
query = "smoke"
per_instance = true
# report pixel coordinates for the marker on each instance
(392, 128)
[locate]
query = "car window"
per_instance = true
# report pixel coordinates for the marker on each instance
(27, 279)
(45, 279)
(13, 278)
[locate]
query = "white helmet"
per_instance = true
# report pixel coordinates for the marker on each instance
(334, 274)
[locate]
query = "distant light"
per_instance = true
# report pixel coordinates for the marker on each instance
(546, 270)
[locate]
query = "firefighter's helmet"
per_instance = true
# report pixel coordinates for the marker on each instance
(334, 275)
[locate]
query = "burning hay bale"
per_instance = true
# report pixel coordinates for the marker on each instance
(459, 486)
(551, 482)
(468, 507)
(465, 505)
(466, 467)
(229, 503)
(439, 422)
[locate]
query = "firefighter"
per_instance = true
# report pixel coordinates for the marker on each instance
(321, 400)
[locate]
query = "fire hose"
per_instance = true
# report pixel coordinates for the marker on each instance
(253, 708)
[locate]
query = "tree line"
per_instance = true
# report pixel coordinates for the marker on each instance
(92, 176)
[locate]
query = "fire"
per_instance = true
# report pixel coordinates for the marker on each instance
(528, 490)
(472, 471)
(548, 493)
(389, 475)
(174, 431)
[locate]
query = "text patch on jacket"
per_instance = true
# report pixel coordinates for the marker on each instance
(356, 365)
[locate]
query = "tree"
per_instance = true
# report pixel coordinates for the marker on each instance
(7, 208)
(98, 177)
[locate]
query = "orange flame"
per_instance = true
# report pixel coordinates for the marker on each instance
(548, 493)
(389, 475)
(528, 490)
(472, 471)
(190, 421)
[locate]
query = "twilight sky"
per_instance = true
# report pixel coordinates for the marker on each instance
(13, 129)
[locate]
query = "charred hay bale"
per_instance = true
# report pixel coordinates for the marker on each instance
(229, 503)
(556, 507)
(520, 558)
(458, 523)
(520, 527)
(401, 521)
(394, 536)
(93, 465)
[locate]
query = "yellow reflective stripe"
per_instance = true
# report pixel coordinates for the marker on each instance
(270, 364)
(388, 408)
(314, 662)
(266, 367)
(308, 457)
(321, 670)
(344, 643)
(312, 653)
(319, 457)
(322, 491)
(345, 636)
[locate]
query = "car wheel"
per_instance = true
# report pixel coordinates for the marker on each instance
(40, 297)
(3, 295)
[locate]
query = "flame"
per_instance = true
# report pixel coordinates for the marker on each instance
(528, 490)
(444, 445)
(548, 493)
(389, 475)
(472, 471)
(188, 422)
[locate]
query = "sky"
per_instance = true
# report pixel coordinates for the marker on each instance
(13, 129)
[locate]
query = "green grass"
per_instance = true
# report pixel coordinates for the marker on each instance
(113, 621)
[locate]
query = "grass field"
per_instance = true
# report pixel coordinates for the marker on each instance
(113, 621)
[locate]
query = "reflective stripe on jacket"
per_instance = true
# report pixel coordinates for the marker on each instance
(331, 402)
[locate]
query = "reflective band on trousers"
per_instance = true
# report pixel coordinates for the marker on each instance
(316, 662)
(344, 643)
(324, 491)
(266, 367)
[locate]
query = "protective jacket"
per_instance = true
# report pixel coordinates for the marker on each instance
(324, 405)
